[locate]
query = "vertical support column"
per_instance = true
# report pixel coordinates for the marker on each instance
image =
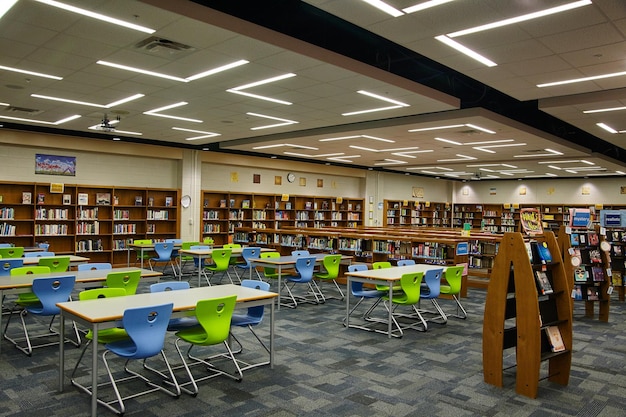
(191, 184)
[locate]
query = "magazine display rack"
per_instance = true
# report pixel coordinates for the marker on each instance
(523, 312)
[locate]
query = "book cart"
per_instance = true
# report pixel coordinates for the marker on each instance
(523, 313)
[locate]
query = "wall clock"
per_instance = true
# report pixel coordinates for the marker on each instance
(185, 201)
(291, 177)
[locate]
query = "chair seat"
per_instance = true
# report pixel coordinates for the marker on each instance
(368, 293)
(108, 335)
(182, 323)
(195, 335)
(243, 320)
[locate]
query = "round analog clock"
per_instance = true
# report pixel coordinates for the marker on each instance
(291, 177)
(185, 201)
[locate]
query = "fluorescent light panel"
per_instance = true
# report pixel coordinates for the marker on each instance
(604, 110)
(27, 72)
(606, 127)
(425, 5)
(466, 51)
(45, 122)
(156, 112)
(384, 7)
(203, 133)
(580, 80)
(285, 122)
(85, 103)
(98, 16)
(5, 6)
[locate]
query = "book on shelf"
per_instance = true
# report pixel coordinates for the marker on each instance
(245, 204)
(598, 273)
(594, 256)
(555, 339)
(150, 201)
(592, 293)
(67, 199)
(169, 201)
(544, 253)
(617, 250)
(615, 236)
(138, 200)
(593, 239)
(574, 239)
(116, 200)
(222, 203)
(529, 251)
(41, 198)
(232, 203)
(577, 293)
(616, 278)
(543, 282)
(583, 238)
(581, 274)
(103, 199)
(83, 199)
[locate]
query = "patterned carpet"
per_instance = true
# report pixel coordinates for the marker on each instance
(323, 369)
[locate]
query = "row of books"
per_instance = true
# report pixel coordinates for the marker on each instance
(584, 239)
(589, 293)
(538, 252)
(588, 273)
(7, 213)
(7, 229)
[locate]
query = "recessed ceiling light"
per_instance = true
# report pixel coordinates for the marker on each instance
(580, 80)
(465, 50)
(5, 6)
(425, 5)
(396, 104)
(217, 70)
(85, 103)
(284, 122)
(45, 122)
(239, 90)
(606, 127)
(382, 6)
(141, 71)
(88, 13)
(36, 74)
(453, 142)
(204, 134)
(157, 112)
(604, 110)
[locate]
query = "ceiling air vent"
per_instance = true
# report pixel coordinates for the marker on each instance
(23, 110)
(164, 47)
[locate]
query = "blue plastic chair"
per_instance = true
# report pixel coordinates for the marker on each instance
(178, 323)
(38, 254)
(430, 290)
(146, 328)
(175, 255)
(304, 269)
(94, 266)
(6, 265)
(49, 292)
(253, 317)
(356, 288)
(164, 255)
(5, 245)
(247, 253)
(405, 262)
(199, 247)
(299, 253)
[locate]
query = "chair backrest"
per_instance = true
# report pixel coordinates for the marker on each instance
(221, 258)
(356, 286)
(6, 245)
(267, 271)
(256, 312)
(410, 284)
(51, 291)
(146, 326)
(208, 240)
(129, 280)
(56, 264)
(12, 252)
(164, 250)
(38, 254)
(189, 245)
(305, 266)
(174, 242)
(94, 266)
(103, 292)
(381, 265)
(454, 276)
(6, 265)
(432, 277)
(142, 241)
(331, 265)
(250, 252)
(214, 315)
(169, 286)
(30, 269)
(298, 253)
(405, 262)
(44, 246)
(231, 246)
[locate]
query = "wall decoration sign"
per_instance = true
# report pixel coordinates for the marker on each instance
(418, 192)
(55, 165)
(530, 219)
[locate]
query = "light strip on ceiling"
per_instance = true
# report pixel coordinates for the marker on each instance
(452, 142)
(278, 145)
(606, 127)
(465, 50)
(85, 103)
(378, 139)
(390, 162)
(482, 129)
(379, 97)
(5, 6)
(217, 70)
(156, 112)
(36, 74)
(488, 147)
(604, 110)
(425, 5)
(141, 71)
(203, 133)
(460, 158)
(239, 89)
(302, 147)
(354, 113)
(340, 138)
(285, 122)
(273, 100)
(487, 142)
(580, 80)
(551, 152)
(58, 122)
(98, 16)
(424, 129)
(384, 7)
(522, 18)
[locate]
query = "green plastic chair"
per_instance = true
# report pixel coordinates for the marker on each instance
(128, 280)
(56, 264)
(12, 252)
(186, 258)
(410, 297)
(146, 254)
(214, 316)
(331, 266)
(382, 265)
(270, 273)
(234, 260)
(29, 297)
(453, 277)
(221, 264)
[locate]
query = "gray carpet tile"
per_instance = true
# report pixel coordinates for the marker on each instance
(324, 369)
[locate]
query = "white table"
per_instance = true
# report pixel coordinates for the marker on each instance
(84, 279)
(387, 277)
(74, 259)
(105, 313)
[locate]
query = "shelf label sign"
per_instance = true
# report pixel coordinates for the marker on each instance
(611, 218)
(579, 217)
(530, 219)
(462, 248)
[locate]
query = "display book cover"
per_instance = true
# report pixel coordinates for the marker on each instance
(555, 339)
(543, 283)
(538, 252)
